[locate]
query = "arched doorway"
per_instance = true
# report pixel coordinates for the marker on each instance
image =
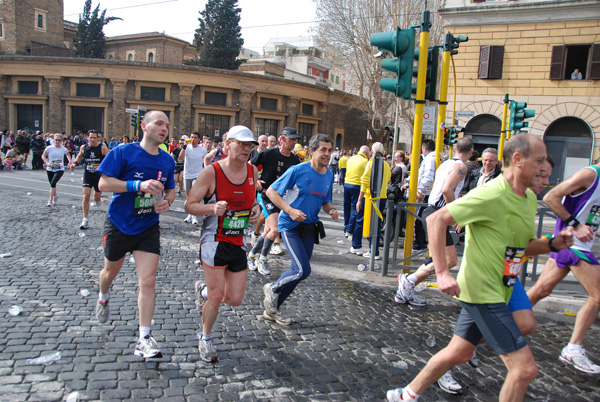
(570, 142)
(484, 129)
(338, 141)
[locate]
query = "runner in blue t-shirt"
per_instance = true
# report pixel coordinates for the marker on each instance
(300, 193)
(141, 178)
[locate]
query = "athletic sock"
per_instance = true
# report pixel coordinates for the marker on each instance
(206, 337)
(257, 246)
(103, 297)
(266, 247)
(412, 278)
(410, 393)
(574, 348)
(144, 331)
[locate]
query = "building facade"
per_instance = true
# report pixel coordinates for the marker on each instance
(529, 49)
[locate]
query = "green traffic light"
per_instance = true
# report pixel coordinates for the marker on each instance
(401, 43)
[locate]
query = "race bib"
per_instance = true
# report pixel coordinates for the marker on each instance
(513, 258)
(593, 220)
(143, 204)
(57, 165)
(91, 167)
(234, 222)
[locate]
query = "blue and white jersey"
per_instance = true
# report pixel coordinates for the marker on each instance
(133, 212)
(303, 188)
(585, 207)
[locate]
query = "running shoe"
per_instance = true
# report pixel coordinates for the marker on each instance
(277, 317)
(84, 224)
(579, 361)
(92, 203)
(407, 291)
(198, 288)
(49, 205)
(207, 351)
(252, 262)
(474, 361)
(263, 266)
(147, 348)
(357, 251)
(448, 384)
(194, 220)
(348, 235)
(396, 395)
(102, 311)
(188, 219)
(270, 301)
(276, 249)
(368, 255)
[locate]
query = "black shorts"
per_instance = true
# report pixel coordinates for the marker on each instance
(117, 244)
(223, 255)
(493, 321)
(429, 211)
(178, 168)
(91, 180)
(268, 205)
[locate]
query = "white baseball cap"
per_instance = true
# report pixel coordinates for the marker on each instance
(242, 134)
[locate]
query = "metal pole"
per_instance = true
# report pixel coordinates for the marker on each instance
(503, 129)
(417, 133)
(389, 215)
(443, 103)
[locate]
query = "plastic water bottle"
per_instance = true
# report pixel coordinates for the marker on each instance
(420, 287)
(73, 397)
(340, 242)
(362, 267)
(430, 341)
(158, 198)
(81, 234)
(14, 310)
(344, 251)
(5, 255)
(84, 292)
(46, 359)
(28, 193)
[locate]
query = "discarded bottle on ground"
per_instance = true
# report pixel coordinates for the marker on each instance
(5, 255)
(46, 359)
(14, 310)
(361, 267)
(344, 251)
(430, 341)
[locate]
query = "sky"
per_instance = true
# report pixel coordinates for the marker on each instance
(261, 20)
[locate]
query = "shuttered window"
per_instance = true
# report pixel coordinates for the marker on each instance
(491, 59)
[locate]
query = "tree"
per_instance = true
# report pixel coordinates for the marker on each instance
(89, 39)
(344, 33)
(219, 38)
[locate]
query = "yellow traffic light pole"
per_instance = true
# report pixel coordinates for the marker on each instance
(417, 134)
(439, 140)
(503, 135)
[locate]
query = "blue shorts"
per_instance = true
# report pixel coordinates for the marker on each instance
(518, 299)
(493, 321)
(262, 205)
(569, 257)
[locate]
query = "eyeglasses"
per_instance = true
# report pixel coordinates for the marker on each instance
(242, 144)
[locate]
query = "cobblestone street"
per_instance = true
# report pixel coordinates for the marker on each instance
(345, 344)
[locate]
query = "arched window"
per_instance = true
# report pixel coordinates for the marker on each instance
(130, 57)
(110, 57)
(150, 57)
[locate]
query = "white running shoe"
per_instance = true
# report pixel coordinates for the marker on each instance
(357, 251)
(407, 291)
(448, 384)
(252, 266)
(84, 224)
(398, 395)
(579, 361)
(474, 361)
(276, 249)
(147, 348)
(188, 219)
(253, 238)
(270, 300)
(194, 220)
(263, 266)
(277, 317)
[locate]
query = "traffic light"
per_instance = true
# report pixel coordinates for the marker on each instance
(390, 131)
(433, 60)
(446, 131)
(452, 42)
(518, 114)
(134, 120)
(401, 43)
(454, 134)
